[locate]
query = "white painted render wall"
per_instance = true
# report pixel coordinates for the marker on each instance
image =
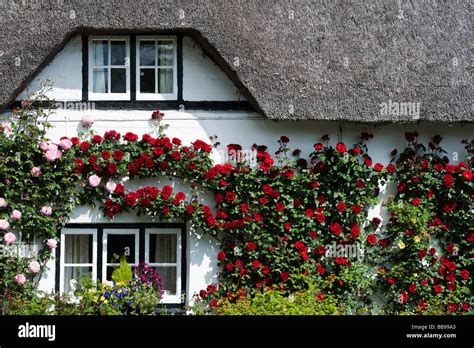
(64, 72)
(203, 80)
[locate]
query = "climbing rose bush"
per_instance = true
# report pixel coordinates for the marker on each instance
(276, 222)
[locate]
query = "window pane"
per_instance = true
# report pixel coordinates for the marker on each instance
(165, 53)
(100, 80)
(165, 80)
(118, 80)
(72, 276)
(147, 52)
(163, 248)
(147, 80)
(100, 52)
(118, 52)
(120, 244)
(78, 248)
(168, 279)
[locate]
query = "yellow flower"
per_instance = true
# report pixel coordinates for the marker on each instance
(102, 298)
(413, 220)
(415, 275)
(401, 245)
(417, 239)
(106, 301)
(95, 298)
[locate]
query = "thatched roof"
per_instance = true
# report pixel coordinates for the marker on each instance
(297, 59)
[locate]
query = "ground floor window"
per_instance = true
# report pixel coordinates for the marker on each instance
(95, 249)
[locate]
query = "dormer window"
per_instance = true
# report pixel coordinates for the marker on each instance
(150, 62)
(109, 68)
(156, 68)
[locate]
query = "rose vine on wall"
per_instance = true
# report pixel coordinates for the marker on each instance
(276, 223)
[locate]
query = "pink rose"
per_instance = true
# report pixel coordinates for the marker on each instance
(9, 238)
(34, 267)
(51, 243)
(6, 127)
(4, 225)
(52, 147)
(53, 155)
(3, 202)
(47, 210)
(111, 186)
(94, 180)
(35, 172)
(66, 143)
(20, 279)
(43, 146)
(87, 121)
(16, 215)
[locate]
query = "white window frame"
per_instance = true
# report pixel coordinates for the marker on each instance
(167, 298)
(110, 96)
(63, 264)
(106, 232)
(156, 96)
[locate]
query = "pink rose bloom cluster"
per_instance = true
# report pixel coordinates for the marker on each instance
(16, 215)
(34, 267)
(51, 243)
(51, 151)
(35, 172)
(4, 225)
(9, 238)
(20, 279)
(46, 210)
(3, 202)
(94, 180)
(6, 127)
(87, 121)
(111, 186)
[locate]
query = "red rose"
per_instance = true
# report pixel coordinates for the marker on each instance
(390, 168)
(221, 256)
(75, 140)
(438, 289)
(452, 307)
(467, 174)
(97, 139)
(85, 146)
(356, 209)
(368, 161)
(105, 154)
(448, 181)
(355, 231)
(280, 206)
(422, 305)
(284, 139)
(251, 246)
(117, 155)
(318, 146)
(465, 306)
(202, 294)
(189, 209)
(416, 201)
(335, 228)
(371, 239)
(256, 264)
(320, 217)
(313, 234)
(229, 266)
(464, 274)
(265, 270)
(341, 206)
(378, 167)
(119, 189)
(341, 148)
(176, 155)
(129, 136)
(229, 196)
(219, 198)
(284, 276)
(359, 183)
(412, 288)
(390, 281)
